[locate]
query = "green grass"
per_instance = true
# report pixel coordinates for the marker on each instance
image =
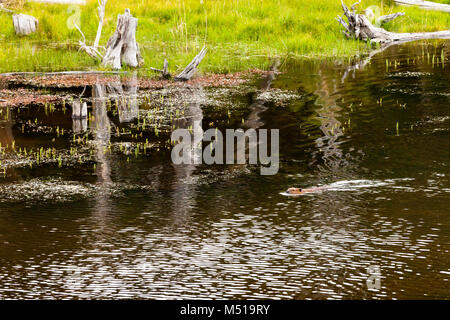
(240, 34)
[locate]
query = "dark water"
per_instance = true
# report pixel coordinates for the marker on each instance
(137, 226)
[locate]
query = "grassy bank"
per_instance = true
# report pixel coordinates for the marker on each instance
(241, 34)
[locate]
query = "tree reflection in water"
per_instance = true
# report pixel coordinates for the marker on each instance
(184, 181)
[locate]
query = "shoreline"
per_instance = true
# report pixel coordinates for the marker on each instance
(25, 89)
(240, 36)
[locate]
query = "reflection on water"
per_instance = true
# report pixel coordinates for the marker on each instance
(184, 180)
(137, 226)
(328, 113)
(6, 135)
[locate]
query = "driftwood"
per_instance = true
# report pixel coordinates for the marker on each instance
(24, 24)
(93, 51)
(359, 27)
(428, 5)
(188, 72)
(122, 46)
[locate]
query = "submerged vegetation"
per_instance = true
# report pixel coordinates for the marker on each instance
(240, 35)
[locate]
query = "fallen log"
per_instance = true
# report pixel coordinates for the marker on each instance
(122, 46)
(428, 5)
(359, 27)
(190, 70)
(24, 24)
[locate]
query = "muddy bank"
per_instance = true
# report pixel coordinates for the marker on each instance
(23, 89)
(22, 96)
(78, 80)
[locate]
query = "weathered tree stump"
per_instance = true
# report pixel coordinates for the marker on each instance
(359, 27)
(24, 24)
(122, 46)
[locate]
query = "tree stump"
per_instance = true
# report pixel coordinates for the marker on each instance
(359, 27)
(122, 46)
(24, 24)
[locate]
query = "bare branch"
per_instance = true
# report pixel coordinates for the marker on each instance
(346, 12)
(101, 16)
(93, 50)
(385, 19)
(157, 70)
(79, 30)
(353, 7)
(339, 19)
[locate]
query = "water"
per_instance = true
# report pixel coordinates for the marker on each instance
(137, 226)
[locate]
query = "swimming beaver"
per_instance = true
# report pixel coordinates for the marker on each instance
(302, 191)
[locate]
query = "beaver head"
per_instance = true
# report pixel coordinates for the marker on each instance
(294, 191)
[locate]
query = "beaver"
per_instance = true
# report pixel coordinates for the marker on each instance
(303, 191)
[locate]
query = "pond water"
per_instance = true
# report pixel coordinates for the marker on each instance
(85, 215)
